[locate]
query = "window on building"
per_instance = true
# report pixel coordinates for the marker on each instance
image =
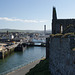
(61, 29)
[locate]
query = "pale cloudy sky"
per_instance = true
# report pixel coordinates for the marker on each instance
(33, 14)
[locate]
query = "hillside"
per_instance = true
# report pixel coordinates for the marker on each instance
(29, 31)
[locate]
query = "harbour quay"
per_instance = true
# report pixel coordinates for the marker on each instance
(19, 41)
(6, 49)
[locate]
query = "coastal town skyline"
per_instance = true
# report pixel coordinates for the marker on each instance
(31, 14)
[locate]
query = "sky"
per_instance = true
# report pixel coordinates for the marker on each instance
(33, 14)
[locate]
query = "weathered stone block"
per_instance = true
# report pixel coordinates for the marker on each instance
(62, 58)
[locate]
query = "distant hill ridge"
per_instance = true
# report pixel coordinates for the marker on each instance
(30, 31)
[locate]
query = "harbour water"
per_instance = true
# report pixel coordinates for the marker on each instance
(18, 59)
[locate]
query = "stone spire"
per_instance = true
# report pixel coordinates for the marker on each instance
(54, 13)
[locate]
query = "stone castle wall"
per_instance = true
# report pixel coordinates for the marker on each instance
(61, 57)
